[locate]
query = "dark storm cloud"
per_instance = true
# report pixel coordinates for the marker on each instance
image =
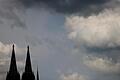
(68, 6)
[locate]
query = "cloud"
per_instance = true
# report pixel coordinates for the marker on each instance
(96, 31)
(4, 48)
(12, 13)
(102, 64)
(7, 48)
(68, 6)
(98, 35)
(73, 76)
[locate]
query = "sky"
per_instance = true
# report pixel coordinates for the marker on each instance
(68, 39)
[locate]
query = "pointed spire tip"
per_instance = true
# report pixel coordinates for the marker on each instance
(28, 47)
(13, 46)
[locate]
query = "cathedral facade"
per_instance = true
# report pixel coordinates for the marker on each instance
(13, 73)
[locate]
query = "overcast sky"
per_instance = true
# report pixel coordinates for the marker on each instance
(69, 39)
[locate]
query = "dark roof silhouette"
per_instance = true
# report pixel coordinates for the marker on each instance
(13, 73)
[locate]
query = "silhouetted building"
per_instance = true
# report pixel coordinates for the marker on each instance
(37, 75)
(28, 73)
(13, 73)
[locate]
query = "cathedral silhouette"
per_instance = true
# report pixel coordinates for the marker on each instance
(28, 74)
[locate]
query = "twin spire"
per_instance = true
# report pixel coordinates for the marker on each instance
(13, 66)
(13, 72)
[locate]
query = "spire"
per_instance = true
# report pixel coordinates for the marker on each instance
(28, 74)
(28, 67)
(37, 74)
(13, 66)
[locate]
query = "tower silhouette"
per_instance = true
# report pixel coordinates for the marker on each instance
(37, 74)
(13, 73)
(28, 73)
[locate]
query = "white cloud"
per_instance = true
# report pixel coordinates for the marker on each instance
(7, 48)
(102, 64)
(4, 48)
(100, 30)
(73, 76)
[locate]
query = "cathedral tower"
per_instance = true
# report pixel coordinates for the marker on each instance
(13, 73)
(28, 73)
(37, 74)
